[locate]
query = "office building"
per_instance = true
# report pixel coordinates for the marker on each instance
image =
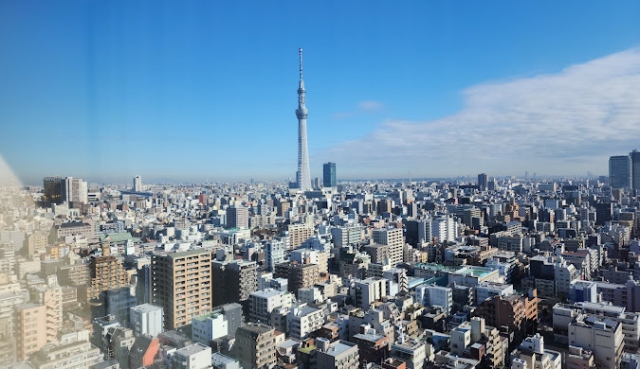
(181, 279)
(483, 182)
(52, 190)
(74, 190)
(329, 175)
(635, 169)
(620, 171)
(137, 184)
(237, 217)
(346, 235)
(303, 175)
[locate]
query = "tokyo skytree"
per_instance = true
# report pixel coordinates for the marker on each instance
(303, 176)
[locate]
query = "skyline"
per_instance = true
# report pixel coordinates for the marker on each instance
(108, 91)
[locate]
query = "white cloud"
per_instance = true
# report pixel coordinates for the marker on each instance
(366, 106)
(562, 123)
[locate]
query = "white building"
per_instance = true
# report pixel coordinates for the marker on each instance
(366, 291)
(486, 290)
(564, 274)
(532, 354)
(432, 295)
(603, 337)
(274, 251)
(146, 319)
(137, 184)
(303, 320)
(264, 302)
(196, 356)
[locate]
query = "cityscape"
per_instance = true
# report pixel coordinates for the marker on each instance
(334, 265)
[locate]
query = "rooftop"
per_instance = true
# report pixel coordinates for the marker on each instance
(339, 348)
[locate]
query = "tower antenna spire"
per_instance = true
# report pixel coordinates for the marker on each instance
(300, 50)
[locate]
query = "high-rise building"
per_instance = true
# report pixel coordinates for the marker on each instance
(137, 184)
(50, 296)
(235, 281)
(393, 238)
(483, 181)
(52, 190)
(303, 175)
(182, 285)
(329, 175)
(274, 252)
(298, 233)
(237, 217)
(635, 169)
(107, 273)
(74, 190)
(30, 324)
(620, 171)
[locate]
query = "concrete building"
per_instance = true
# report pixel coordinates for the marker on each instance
(237, 217)
(76, 353)
(394, 239)
(181, 279)
(107, 273)
(303, 320)
(137, 184)
(564, 314)
(196, 356)
(486, 290)
(274, 252)
(336, 355)
(74, 190)
(29, 326)
(564, 274)
(349, 234)
(265, 301)
(299, 233)
(147, 319)
(519, 314)
(410, 350)
(365, 292)
(603, 337)
(255, 346)
(223, 321)
(532, 354)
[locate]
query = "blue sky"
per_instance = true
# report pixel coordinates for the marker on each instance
(207, 90)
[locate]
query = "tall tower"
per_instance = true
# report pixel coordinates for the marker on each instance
(303, 176)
